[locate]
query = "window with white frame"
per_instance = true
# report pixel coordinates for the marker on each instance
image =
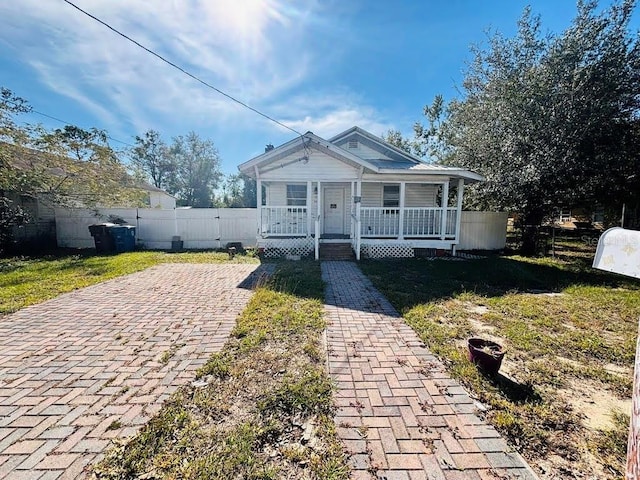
(391, 196)
(296, 195)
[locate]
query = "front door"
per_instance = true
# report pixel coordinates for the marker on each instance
(334, 211)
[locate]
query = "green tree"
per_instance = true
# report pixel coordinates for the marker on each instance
(197, 170)
(69, 166)
(11, 214)
(74, 166)
(249, 189)
(549, 120)
(151, 159)
(395, 138)
(428, 141)
(238, 191)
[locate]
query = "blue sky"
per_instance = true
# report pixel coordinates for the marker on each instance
(318, 65)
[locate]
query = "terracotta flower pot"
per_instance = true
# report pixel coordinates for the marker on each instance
(487, 355)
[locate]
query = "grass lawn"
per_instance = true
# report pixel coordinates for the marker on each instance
(263, 409)
(564, 397)
(25, 281)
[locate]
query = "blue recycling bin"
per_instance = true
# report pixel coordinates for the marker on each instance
(124, 237)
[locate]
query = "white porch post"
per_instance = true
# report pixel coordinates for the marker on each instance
(458, 212)
(358, 206)
(401, 216)
(352, 214)
(309, 208)
(259, 203)
(317, 218)
(445, 205)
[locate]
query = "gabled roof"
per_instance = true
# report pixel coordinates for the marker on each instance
(396, 152)
(308, 140)
(393, 160)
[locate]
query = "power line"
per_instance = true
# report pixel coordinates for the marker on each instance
(32, 110)
(177, 67)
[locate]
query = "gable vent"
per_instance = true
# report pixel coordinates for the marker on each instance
(353, 144)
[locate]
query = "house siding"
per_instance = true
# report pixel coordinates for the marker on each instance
(416, 194)
(319, 167)
(420, 195)
(371, 194)
(277, 194)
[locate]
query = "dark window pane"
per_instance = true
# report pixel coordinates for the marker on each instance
(391, 196)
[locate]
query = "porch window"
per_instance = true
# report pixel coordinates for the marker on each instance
(391, 196)
(296, 195)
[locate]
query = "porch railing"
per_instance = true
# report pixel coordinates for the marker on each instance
(422, 222)
(379, 222)
(283, 221)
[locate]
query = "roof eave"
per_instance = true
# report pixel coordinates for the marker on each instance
(466, 174)
(248, 167)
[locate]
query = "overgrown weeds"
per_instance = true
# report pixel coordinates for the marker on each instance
(260, 409)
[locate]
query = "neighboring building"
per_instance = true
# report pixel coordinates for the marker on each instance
(355, 189)
(579, 218)
(40, 226)
(158, 198)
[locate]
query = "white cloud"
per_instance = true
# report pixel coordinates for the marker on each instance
(256, 50)
(227, 43)
(327, 114)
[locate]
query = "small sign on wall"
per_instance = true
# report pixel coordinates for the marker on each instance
(333, 205)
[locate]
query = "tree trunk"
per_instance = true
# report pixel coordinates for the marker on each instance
(530, 229)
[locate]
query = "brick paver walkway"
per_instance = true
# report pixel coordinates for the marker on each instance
(95, 364)
(399, 413)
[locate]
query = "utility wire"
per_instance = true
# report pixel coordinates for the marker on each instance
(31, 110)
(177, 67)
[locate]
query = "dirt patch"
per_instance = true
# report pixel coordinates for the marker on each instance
(478, 309)
(618, 369)
(594, 403)
(481, 327)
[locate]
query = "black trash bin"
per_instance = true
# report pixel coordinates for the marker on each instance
(102, 238)
(124, 237)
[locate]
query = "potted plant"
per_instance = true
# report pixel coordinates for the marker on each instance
(487, 355)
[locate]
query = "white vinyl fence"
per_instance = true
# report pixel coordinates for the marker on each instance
(483, 231)
(215, 227)
(197, 227)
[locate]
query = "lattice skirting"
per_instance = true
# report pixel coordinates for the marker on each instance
(281, 247)
(387, 250)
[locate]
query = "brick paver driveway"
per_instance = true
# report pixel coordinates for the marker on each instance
(95, 364)
(400, 414)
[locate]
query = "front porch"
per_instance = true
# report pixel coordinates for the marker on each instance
(299, 216)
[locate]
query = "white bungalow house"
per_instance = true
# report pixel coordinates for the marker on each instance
(357, 189)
